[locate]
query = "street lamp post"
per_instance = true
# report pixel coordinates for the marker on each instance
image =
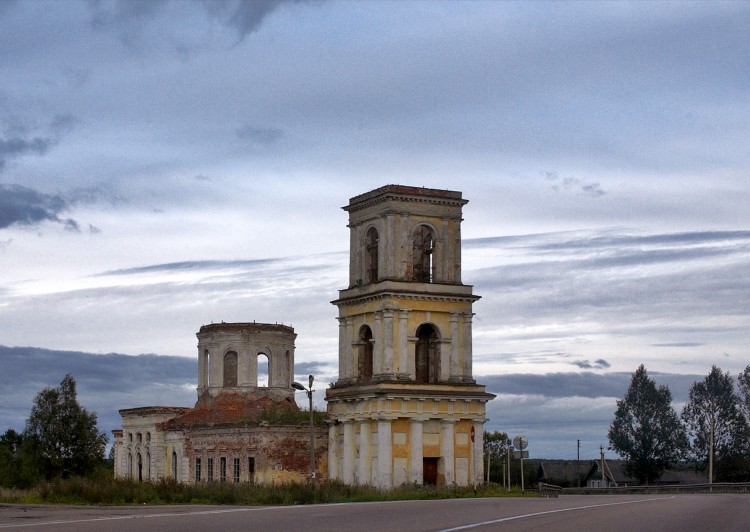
(309, 391)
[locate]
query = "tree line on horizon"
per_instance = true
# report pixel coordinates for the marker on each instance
(712, 432)
(61, 438)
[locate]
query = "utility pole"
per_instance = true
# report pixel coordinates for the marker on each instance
(309, 390)
(601, 466)
(711, 453)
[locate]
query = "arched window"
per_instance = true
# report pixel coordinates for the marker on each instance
(427, 353)
(230, 369)
(207, 367)
(148, 461)
(422, 247)
(174, 465)
(130, 465)
(364, 362)
(371, 255)
(263, 374)
(140, 467)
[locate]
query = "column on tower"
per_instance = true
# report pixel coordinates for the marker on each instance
(388, 350)
(403, 345)
(385, 454)
(342, 348)
(416, 458)
(349, 452)
(453, 374)
(467, 369)
(349, 360)
(388, 259)
(447, 449)
(377, 349)
(478, 452)
(243, 366)
(334, 471)
(364, 465)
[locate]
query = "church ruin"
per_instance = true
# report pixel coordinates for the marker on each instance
(237, 431)
(405, 407)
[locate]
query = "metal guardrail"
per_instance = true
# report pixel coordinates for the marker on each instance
(716, 487)
(549, 491)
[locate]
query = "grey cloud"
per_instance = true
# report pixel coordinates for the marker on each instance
(137, 22)
(13, 147)
(596, 364)
(584, 384)
(19, 142)
(123, 13)
(555, 385)
(106, 383)
(264, 136)
(679, 344)
(572, 183)
(24, 206)
(316, 369)
(245, 17)
(191, 265)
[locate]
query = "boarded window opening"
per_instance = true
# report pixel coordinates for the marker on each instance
(422, 254)
(230, 369)
(250, 468)
(427, 355)
(371, 254)
(365, 354)
(174, 465)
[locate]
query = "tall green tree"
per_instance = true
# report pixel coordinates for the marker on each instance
(495, 446)
(62, 434)
(717, 428)
(646, 431)
(743, 385)
(11, 459)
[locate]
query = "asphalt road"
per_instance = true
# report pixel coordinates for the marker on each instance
(567, 513)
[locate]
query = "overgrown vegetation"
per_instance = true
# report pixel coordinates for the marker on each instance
(101, 489)
(276, 416)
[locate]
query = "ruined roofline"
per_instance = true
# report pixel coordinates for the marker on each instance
(151, 410)
(245, 327)
(405, 193)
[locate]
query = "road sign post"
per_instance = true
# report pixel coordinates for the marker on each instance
(520, 443)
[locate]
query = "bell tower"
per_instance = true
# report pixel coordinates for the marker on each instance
(406, 407)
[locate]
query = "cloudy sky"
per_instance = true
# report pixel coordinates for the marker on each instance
(168, 164)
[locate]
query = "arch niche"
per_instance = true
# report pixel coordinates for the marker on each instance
(422, 249)
(427, 355)
(230, 369)
(364, 354)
